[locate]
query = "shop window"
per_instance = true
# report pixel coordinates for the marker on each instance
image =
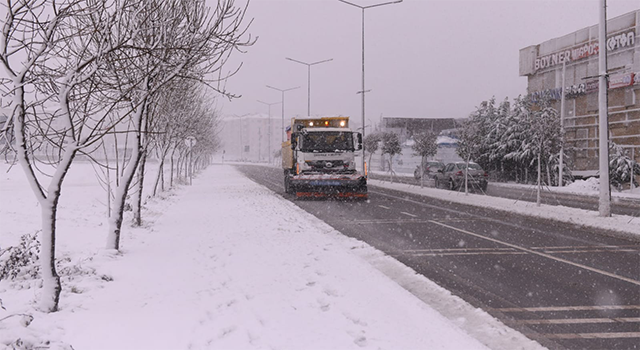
(629, 97)
(592, 102)
(582, 133)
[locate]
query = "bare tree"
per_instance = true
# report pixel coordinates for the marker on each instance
(371, 144)
(177, 39)
(425, 146)
(49, 80)
(391, 146)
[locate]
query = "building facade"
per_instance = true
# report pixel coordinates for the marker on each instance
(577, 52)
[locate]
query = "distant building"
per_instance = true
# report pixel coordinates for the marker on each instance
(542, 65)
(247, 137)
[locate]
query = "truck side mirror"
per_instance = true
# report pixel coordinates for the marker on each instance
(358, 141)
(294, 140)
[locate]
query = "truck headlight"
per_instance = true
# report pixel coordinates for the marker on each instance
(305, 166)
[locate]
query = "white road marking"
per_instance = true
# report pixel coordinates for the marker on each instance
(587, 335)
(469, 253)
(454, 250)
(605, 273)
(569, 308)
(581, 320)
(408, 214)
(382, 206)
(588, 251)
(589, 247)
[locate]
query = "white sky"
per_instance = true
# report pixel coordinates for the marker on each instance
(423, 58)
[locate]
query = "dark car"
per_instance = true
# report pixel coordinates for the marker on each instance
(452, 176)
(430, 170)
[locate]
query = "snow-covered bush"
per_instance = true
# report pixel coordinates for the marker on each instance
(21, 261)
(621, 167)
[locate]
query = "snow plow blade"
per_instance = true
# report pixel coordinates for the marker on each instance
(345, 195)
(330, 186)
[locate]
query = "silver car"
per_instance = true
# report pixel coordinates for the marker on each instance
(452, 176)
(430, 170)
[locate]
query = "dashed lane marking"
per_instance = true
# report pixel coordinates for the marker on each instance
(548, 256)
(461, 251)
(454, 250)
(586, 335)
(408, 214)
(390, 221)
(577, 251)
(569, 308)
(580, 320)
(469, 253)
(589, 247)
(382, 206)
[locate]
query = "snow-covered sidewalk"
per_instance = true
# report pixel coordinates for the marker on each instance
(226, 264)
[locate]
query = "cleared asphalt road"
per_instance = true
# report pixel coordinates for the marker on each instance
(564, 286)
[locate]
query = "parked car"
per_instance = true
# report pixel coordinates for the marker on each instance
(452, 176)
(430, 170)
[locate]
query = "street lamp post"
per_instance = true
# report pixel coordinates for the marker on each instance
(270, 128)
(363, 89)
(308, 79)
(283, 91)
(604, 203)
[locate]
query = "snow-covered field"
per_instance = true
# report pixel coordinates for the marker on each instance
(223, 264)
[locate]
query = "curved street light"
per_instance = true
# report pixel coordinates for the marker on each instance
(308, 79)
(283, 91)
(269, 104)
(363, 91)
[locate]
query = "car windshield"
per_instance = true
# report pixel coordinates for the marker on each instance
(326, 141)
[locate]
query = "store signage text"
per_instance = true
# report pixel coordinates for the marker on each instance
(615, 42)
(572, 91)
(621, 80)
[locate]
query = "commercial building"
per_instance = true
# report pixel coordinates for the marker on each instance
(577, 52)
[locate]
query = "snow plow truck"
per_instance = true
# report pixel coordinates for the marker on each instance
(318, 159)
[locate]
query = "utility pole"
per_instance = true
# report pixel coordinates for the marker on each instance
(604, 206)
(308, 79)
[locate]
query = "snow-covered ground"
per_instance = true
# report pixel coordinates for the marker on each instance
(223, 264)
(588, 187)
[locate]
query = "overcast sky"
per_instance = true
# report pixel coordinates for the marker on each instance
(423, 58)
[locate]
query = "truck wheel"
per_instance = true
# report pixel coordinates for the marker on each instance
(287, 184)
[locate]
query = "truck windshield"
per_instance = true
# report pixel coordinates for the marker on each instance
(326, 141)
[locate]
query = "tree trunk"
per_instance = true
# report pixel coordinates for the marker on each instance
(172, 168)
(137, 208)
(48, 203)
(159, 178)
(466, 177)
(422, 172)
(117, 212)
(538, 199)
